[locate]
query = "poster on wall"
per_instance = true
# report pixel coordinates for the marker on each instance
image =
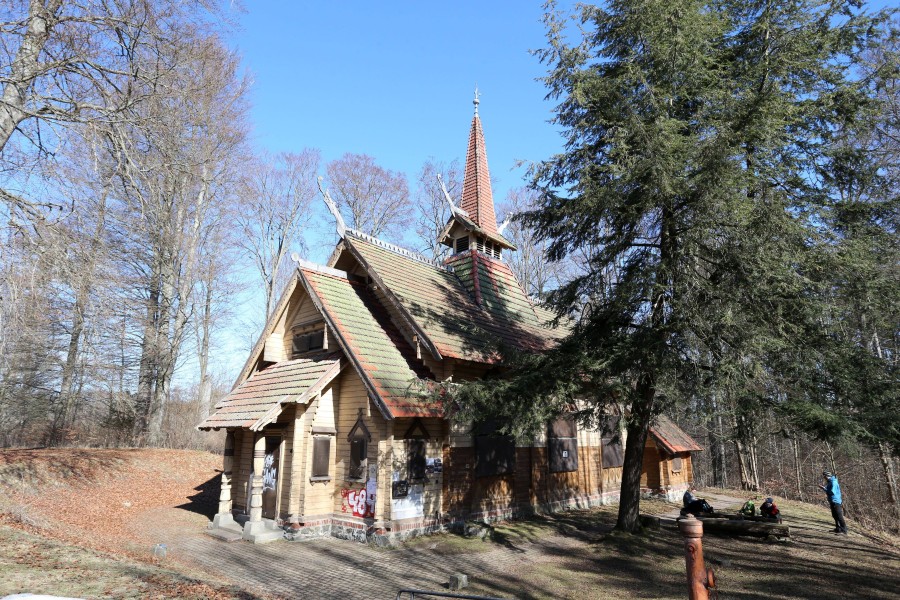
(411, 506)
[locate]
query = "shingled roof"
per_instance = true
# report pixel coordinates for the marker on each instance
(260, 399)
(671, 437)
(477, 197)
(379, 353)
(459, 322)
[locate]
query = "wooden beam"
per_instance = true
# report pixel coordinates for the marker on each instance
(736, 527)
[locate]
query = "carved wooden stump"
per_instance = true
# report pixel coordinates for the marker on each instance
(692, 530)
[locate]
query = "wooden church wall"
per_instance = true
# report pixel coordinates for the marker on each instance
(346, 501)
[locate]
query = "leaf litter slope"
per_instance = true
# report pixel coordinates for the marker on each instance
(83, 522)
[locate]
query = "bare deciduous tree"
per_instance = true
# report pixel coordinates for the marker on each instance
(277, 194)
(79, 62)
(431, 205)
(536, 274)
(377, 199)
(182, 149)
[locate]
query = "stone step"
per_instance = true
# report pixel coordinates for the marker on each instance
(228, 535)
(262, 532)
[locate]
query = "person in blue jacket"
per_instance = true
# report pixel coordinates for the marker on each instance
(833, 489)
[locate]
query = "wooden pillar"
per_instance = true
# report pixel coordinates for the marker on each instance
(256, 484)
(227, 465)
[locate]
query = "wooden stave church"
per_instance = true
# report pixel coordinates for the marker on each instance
(328, 431)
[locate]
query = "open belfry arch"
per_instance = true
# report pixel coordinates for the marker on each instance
(330, 428)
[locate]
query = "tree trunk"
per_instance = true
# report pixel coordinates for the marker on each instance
(796, 444)
(143, 402)
(638, 429)
(205, 392)
(890, 475)
(67, 397)
(754, 463)
(25, 67)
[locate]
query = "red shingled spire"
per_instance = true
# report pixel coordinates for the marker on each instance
(477, 199)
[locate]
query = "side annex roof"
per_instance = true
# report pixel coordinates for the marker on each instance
(671, 437)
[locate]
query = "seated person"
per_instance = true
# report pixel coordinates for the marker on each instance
(768, 509)
(694, 505)
(748, 509)
(689, 496)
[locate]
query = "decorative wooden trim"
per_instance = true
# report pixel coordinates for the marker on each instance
(417, 424)
(326, 378)
(360, 425)
(322, 430)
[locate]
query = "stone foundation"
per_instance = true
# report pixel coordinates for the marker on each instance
(669, 493)
(471, 525)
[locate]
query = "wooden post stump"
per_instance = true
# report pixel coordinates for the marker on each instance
(698, 583)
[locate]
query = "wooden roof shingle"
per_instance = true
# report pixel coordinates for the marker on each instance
(258, 400)
(372, 343)
(443, 301)
(671, 437)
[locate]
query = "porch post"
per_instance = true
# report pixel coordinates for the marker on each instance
(256, 485)
(227, 463)
(223, 515)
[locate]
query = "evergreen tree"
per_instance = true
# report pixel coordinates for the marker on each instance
(693, 133)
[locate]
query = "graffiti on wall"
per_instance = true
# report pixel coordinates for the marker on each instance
(360, 503)
(270, 472)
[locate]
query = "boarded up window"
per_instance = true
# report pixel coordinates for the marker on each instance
(562, 445)
(676, 464)
(321, 456)
(358, 461)
(416, 452)
(495, 454)
(308, 342)
(611, 440)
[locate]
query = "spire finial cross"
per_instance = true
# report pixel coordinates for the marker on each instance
(476, 100)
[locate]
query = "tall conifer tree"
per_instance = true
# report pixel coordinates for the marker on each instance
(693, 130)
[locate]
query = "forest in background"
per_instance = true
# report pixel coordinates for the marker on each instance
(133, 202)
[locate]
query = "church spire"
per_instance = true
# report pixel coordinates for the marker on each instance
(477, 198)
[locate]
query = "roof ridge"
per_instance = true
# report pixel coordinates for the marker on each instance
(397, 249)
(311, 266)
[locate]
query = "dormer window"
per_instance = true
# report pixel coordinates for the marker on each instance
(309, 341)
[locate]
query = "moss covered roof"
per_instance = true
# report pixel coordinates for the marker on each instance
(382, 357)
(465, 309)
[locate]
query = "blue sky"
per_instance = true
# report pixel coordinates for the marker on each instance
(396, 80)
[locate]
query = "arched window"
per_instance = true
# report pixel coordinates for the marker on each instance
(359, 438)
